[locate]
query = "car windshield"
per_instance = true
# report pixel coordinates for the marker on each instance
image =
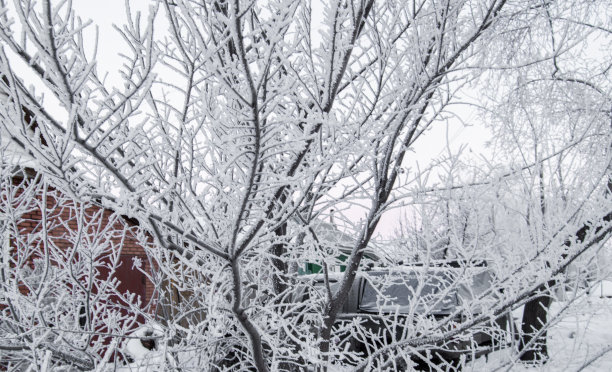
(399, 292)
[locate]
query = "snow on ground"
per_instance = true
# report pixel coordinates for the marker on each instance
(143, 358)
(580, 341)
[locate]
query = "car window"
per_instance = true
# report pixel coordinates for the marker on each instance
(401, 292)
(314, 290)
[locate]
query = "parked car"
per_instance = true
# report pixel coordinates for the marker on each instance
(392, 303)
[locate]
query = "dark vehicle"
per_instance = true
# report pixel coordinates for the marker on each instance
(411, 302)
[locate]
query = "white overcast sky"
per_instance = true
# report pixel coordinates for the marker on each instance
(106, 13)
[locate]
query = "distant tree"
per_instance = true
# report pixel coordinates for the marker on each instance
(555, 123)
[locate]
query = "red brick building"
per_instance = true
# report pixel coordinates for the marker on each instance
(61, 230)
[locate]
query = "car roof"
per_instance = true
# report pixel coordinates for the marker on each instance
(394, 270)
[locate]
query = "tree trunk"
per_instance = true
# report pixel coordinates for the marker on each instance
(535, 314)
(533, 336)
(279, 278)
(279, 284)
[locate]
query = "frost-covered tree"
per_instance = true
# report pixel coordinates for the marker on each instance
(236, 126)
(554, 123)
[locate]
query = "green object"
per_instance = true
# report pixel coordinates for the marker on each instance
(313, 268)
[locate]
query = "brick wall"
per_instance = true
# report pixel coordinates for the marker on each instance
(63, 217)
